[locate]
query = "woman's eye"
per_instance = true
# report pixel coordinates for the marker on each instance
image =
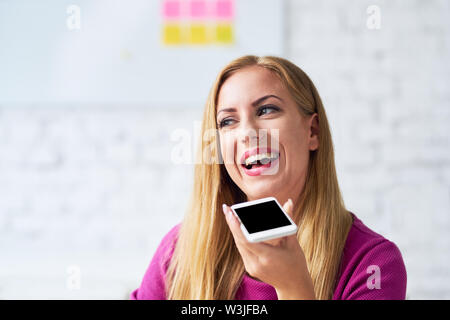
(267, 109)
(261, 111)
(224, 122)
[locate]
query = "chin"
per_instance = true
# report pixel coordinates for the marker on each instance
(258, 192)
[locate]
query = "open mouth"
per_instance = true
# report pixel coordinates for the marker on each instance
(260, 160)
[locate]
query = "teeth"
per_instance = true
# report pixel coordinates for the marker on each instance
(256, 157)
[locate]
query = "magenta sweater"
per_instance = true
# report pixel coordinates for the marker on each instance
(371, 268)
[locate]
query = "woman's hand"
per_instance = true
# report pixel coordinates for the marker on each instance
(279, 262)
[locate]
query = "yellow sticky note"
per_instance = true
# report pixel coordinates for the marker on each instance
(224, 33)
(198, 34)
(172, 34)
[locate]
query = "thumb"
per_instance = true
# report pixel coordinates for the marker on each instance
(289, 208)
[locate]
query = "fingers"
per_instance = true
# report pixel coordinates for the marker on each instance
(274, 242)
(289, 208)
(236, 232)
(233, 223)
(292, 241)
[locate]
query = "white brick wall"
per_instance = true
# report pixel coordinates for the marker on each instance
(94, 187)
(387, 96)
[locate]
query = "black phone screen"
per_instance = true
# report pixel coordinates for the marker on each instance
(262, 216)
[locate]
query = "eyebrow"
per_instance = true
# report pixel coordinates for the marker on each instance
(254, 103)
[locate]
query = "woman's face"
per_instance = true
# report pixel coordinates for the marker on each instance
(255, 111)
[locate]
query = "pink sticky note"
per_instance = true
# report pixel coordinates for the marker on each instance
(224, 9)
(198, 8)
(171, 9)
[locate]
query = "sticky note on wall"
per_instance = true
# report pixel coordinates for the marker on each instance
(198, 9)
(224, 33)
(171, 9)
(172, 34)
(198, 22)
(224, 9)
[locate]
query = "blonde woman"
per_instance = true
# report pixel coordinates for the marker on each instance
(333, 255)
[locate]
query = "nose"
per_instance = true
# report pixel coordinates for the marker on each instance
(249, 134)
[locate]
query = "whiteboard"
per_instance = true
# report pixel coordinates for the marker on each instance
(116, 54)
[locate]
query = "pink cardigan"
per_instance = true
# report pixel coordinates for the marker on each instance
(371, 268)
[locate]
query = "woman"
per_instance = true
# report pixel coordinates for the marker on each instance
(255, 100)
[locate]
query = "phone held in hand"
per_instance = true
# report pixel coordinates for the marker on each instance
(263, 219)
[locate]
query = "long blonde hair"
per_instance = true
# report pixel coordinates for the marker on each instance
(206, 263)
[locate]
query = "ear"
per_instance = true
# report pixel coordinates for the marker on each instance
(313, 124)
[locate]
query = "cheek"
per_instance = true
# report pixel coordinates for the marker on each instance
(227, 148)
(296, 148)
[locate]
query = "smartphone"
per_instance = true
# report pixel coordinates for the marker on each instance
(263, 219)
